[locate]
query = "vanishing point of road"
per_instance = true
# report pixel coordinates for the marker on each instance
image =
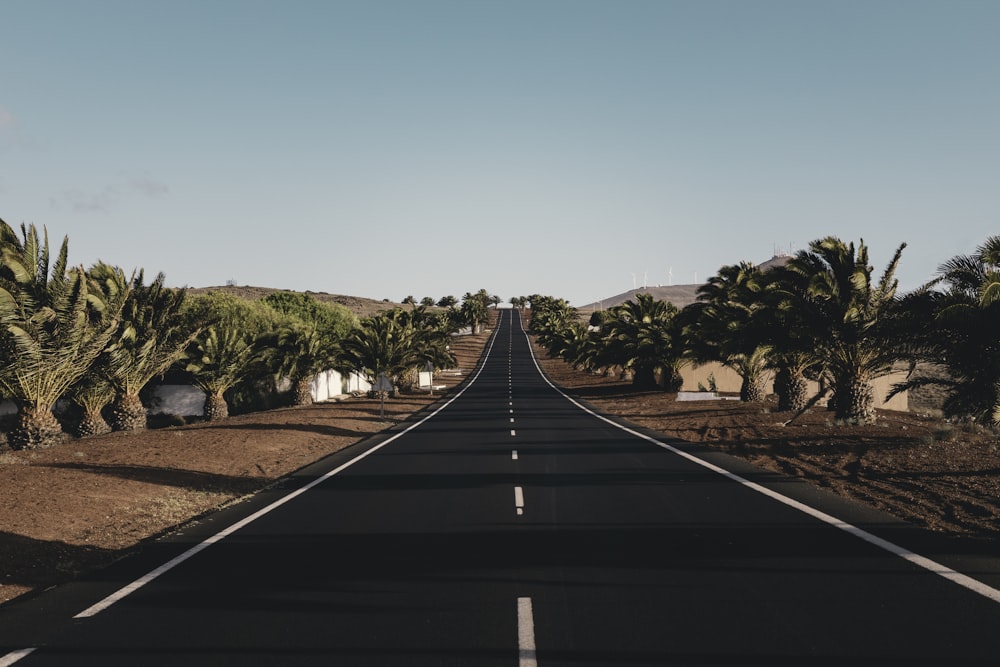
(511, 526)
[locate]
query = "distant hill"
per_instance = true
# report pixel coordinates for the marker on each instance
(360, 306)
(679, 295)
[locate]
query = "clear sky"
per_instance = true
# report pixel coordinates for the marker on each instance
(559, 147)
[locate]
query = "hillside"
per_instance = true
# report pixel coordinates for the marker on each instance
(360, 306)
(679, 295)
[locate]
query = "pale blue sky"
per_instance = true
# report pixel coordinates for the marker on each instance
(382, 149)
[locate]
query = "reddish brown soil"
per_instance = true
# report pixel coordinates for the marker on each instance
(87, 502)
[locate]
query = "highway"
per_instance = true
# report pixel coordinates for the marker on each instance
(512, 527)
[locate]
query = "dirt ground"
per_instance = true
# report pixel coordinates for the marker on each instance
(87, 502)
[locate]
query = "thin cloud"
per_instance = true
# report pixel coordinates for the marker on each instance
(106, 199)
(6, 118)
(87, 202)
(149, 187)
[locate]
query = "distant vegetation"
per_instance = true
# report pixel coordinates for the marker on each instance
(97, 338)
(824, 316)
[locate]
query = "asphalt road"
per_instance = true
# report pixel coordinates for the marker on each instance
(514, 528)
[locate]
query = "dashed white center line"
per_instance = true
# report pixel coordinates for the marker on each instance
(519, 500)
(513, 432)
(526, 633)
(511, 420)
(513, 455)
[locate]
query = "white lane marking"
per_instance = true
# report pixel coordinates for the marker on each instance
(933, 566)
(511, 420)
(519, 500)
(511, 411)
(526, 634)
(513, 455)
(127, 590)
(513, 432)
(14, 656)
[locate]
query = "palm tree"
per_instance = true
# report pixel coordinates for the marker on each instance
(150, 338)
(475, 310)
(956, 328)
(92, 393)
(432, 331)
(382, 345)
(720, 326)
(298, 351)
(549, 318)
(217, 360)
(54, 325)
(790, 335)
(224, 353)
(976, 276)
(306, 342)
(644, 338)
(831, 286)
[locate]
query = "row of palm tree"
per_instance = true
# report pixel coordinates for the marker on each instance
(823, 316)
(99, 337)
(397, 344)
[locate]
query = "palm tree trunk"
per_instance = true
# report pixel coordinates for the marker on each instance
(792, 389)
(128, 413)
(92, 423)
(36, 428)
(644, 377)
(752, 388)
(854, 400)
(671, 380)
(216, 407)
(302, 392)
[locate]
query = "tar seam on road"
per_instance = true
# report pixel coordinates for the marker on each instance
(954, 576)
(150, 576)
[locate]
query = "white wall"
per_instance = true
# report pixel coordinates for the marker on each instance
(183, 400)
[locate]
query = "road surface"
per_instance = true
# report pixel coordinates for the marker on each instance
(512, 527)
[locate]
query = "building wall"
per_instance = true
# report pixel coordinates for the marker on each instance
(728, 380)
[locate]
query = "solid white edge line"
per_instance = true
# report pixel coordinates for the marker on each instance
(952, 575)
(226, 532)
(526, 634)
(14, 656)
